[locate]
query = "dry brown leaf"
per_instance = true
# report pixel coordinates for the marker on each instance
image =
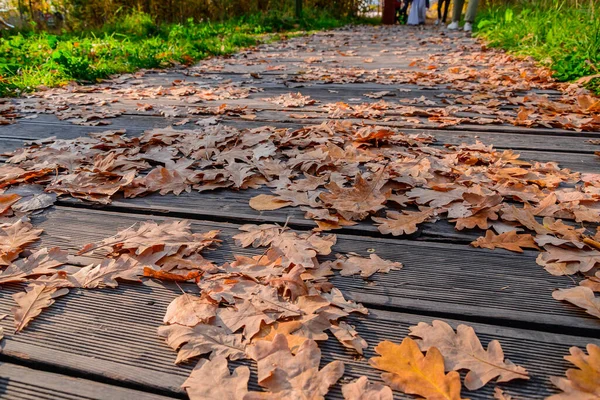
(168, 276)
(7, 200)
(43, 261)
(582, 383)
(406, 223)
(267, 202)
(410, 372)
(348, 337)
(244, 314)
(31, 303)
(509, 240)
(210, 380)
(580, 296)
(288, 376)
(202, 339)
(107, 272)
(189, 310)
(362, 389)
(463, 350)
(14, 237)
(355, 264)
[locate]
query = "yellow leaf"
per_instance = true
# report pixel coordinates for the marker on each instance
(411, 372)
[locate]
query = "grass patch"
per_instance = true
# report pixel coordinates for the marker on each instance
(29, 60)
(563, 35)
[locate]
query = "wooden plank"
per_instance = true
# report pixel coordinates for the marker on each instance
(507, 288)
(19, 382)
(111, 335)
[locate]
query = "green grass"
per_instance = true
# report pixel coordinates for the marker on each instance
(563, 35)
(31, 60)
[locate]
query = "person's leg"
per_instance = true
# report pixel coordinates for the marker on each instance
(439, 7)
(457, 10)
(471, 11)
(446, 6)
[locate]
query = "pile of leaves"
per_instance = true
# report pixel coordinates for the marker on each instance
(341, 174)
(272, 308)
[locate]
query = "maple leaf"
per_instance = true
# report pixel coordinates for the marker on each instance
(210, 380)
(582, 383)
(41, 262)
(13, 238)
(31, 303)
(411, 372)
(355, 264)
(463, 350)
(246, 315)
(202, 339)
(362, 389)
(288, 376)
(403, 223)
(106, 273)
(580, 296)
(189, 310)
(509, 240)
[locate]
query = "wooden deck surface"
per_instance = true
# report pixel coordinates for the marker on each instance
(103, 344)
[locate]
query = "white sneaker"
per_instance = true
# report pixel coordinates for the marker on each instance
(453, 26)
(468, 27)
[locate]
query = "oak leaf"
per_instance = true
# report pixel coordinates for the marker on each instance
(257, 235)
(14, 237)
(582, 260)
(107, 272)
(403, 223)
(411, 372)
(509, 240)
(288, 376)
(580, 296)
(246, 315)
(189, 310)
(210, 380)
(362, 389)
(463, 350)
(7, 200)
(41, 262)
(169, 276)
(582, 383)
(267, 202)
(356, 202)
(202, 339)
(355, 264)
(31, 303)
(348, 337)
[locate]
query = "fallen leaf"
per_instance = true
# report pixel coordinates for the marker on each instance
(189, 310)
(362, 389)
(31, 303)
(210, 380)
(509, 240)
(403, 223)
(463, 350)
(582, 383)
(580, 296)
(410, 372)
(288, 376)
(202, 339)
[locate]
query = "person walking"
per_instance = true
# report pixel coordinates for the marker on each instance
(469, 17)
(418, 12)
(442, 15)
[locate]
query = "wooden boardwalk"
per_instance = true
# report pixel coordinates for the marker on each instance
(103, 344)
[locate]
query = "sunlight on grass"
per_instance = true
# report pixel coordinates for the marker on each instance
(563, 35)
